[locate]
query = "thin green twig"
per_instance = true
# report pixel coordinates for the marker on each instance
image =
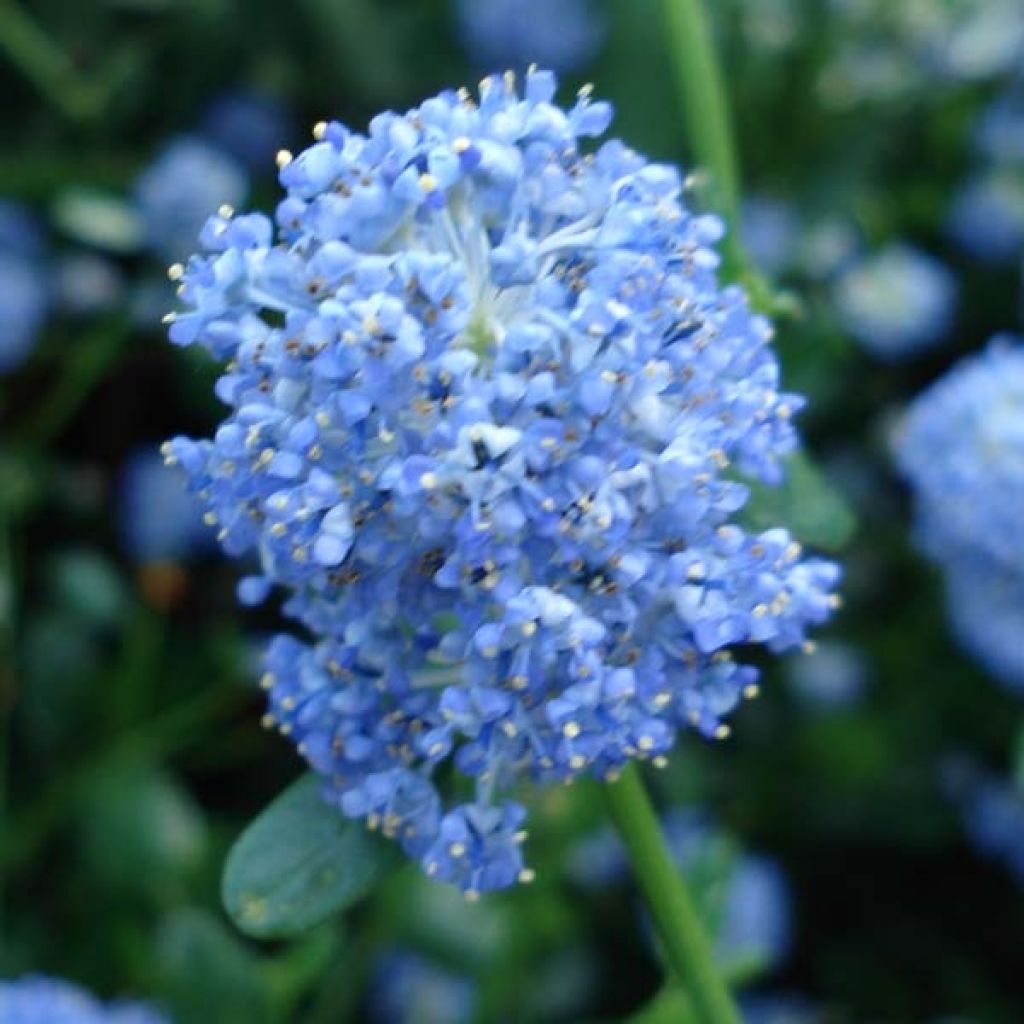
(686, 946)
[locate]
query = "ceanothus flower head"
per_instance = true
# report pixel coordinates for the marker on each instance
(483, 390)
(986, 218)
(560, 34)
(188, 181)
(35, 999)
(896, 301)
(961, 446)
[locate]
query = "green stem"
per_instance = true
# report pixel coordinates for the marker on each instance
(705, 106)
(706, 110)
(686, 946)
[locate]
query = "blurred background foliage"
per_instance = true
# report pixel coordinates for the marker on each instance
(830, 838)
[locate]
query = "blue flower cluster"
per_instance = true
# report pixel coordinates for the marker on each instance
(188, 180)
(962, 448)
(410, 989)
(992, 810)
(987, 214)
(896, 301)
(484, 394)
(34, 999)
(560, 34)
(24, 290)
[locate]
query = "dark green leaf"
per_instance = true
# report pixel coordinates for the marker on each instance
(805, 503)
(209, 975)
(298, 863)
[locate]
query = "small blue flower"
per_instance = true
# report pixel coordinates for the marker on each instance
(34, 999)
(408, 989)
(986, 218)
(247, 125)
(771, 233)
(184, 185)
(561, 34)
(157, 520)
(999, 136)
(88, 283)
(24, 289)
(896, 301)
(483, 390)
(992, 811)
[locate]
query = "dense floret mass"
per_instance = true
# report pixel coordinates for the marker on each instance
(490, 411)
(962, 449)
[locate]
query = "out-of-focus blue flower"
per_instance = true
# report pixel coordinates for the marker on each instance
(749, 903)
(484, 389)
(831, 677)
(961, 446)
(771, 233)
(987, 215)
(184, 185)
(827, 247)
(24, 291)
(778, 1009)
(248, 125)
(409, 989)
(745, 897)
(986, 609)
(158, 520)
(34, 999)
(896, 301)
(560, 34)
(88, 283)
(992, 811)
(962, 449)
(1000, 133)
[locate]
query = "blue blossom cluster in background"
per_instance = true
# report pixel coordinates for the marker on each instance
(24, 285)
(992, 810)
(962, 449)
(187, 181)
(746, 901)
(896, 301)
(560, 34)
(38, 1000)
(986, 217)
(409, 989)
(484, 389)
(158, 520)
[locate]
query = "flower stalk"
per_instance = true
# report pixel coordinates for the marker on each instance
(686, 946)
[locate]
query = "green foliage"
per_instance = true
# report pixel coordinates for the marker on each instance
(299, 863)
(805, 502)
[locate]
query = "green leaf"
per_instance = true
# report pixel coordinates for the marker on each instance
(805, 502)
(209, 975)
(298, 863)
